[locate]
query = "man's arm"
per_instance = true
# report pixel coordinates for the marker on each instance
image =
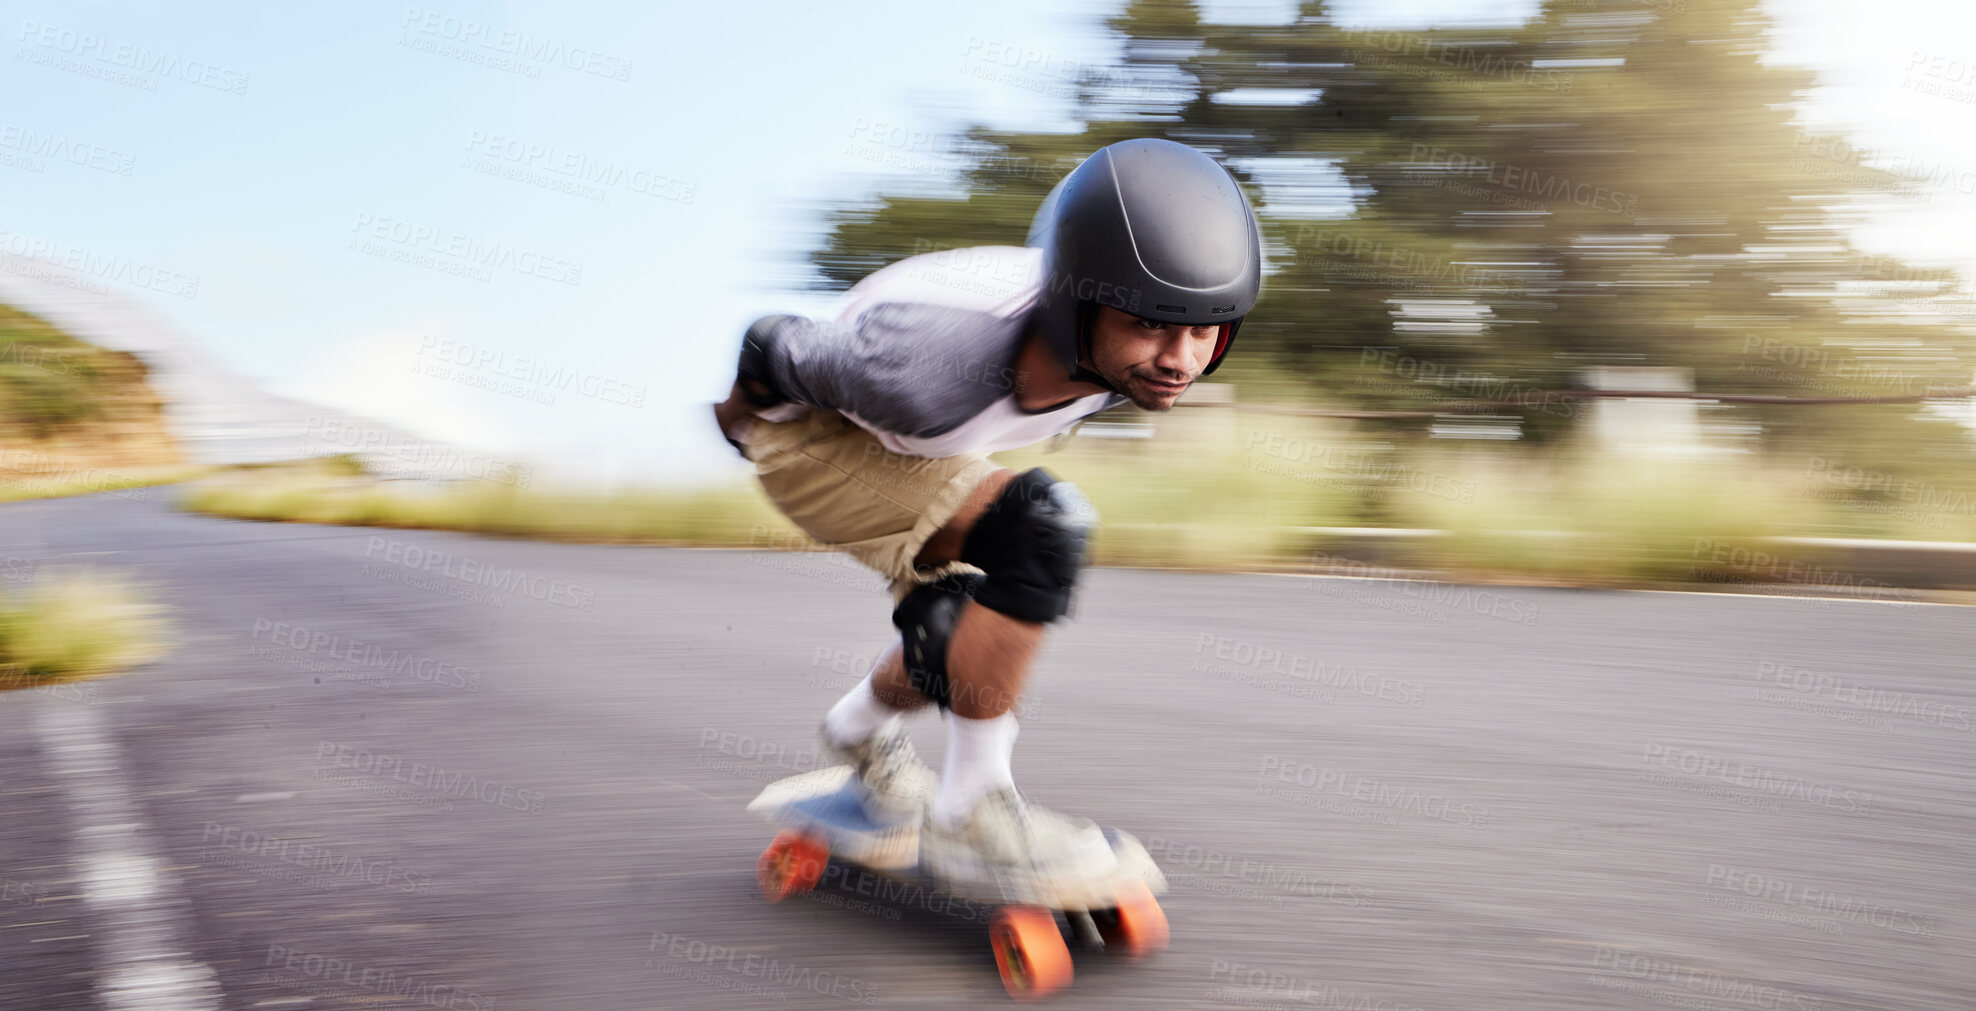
(728, 413)
(913, 369)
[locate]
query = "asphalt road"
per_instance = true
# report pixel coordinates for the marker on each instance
(504, 774)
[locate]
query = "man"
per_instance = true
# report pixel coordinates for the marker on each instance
(870, 433)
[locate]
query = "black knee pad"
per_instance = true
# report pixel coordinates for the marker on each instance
(1032, 543)
(926, 620)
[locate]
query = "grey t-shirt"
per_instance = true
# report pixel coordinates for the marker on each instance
(922, 354)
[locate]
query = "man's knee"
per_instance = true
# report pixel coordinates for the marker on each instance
(1032, 542)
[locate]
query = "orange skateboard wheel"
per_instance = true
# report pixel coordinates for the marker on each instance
(791, 865)
(1030, 952)
(1136, 926)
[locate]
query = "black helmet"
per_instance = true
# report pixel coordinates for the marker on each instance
(1153, 228)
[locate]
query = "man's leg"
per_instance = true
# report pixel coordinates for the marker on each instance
(989, 660)
(883, 696)
(986, 664)
(1027, 532)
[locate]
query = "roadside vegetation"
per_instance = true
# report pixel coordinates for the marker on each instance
(1234, 493)
(77, 625)
(335, 490)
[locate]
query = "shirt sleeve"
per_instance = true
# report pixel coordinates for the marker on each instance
(918, 370)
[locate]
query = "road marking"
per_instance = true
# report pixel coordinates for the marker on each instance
(146, 966)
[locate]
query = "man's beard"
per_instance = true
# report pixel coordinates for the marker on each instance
(1140, 397)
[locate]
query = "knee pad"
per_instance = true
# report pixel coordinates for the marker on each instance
(926, 620)
(1032, 543)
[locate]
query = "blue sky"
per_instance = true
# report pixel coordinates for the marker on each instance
(293, 158)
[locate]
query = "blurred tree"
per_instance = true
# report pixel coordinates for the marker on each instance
(1482, 214)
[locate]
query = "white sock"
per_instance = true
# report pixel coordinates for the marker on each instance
(857, 715)
(978, 754)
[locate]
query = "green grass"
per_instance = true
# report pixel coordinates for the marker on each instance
(1228, 492)
(77, 625)
(1192, 503)
(737, 514)
(1623, 520)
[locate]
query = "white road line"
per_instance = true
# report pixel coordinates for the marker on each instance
(146, 965)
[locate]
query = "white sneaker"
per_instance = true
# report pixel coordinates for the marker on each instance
(1022, 852)
(895, 785)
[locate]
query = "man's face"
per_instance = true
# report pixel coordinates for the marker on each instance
(1151, 362)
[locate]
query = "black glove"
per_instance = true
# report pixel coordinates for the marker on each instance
(753, 373)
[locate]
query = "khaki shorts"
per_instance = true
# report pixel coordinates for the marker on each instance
(845, 489)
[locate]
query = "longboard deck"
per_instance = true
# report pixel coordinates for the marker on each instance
(826, 802)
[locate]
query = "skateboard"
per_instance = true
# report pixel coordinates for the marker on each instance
(823, 818)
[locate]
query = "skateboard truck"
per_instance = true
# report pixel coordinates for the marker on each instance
(1087, 929)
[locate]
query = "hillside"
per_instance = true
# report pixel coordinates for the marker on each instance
(73, 414)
